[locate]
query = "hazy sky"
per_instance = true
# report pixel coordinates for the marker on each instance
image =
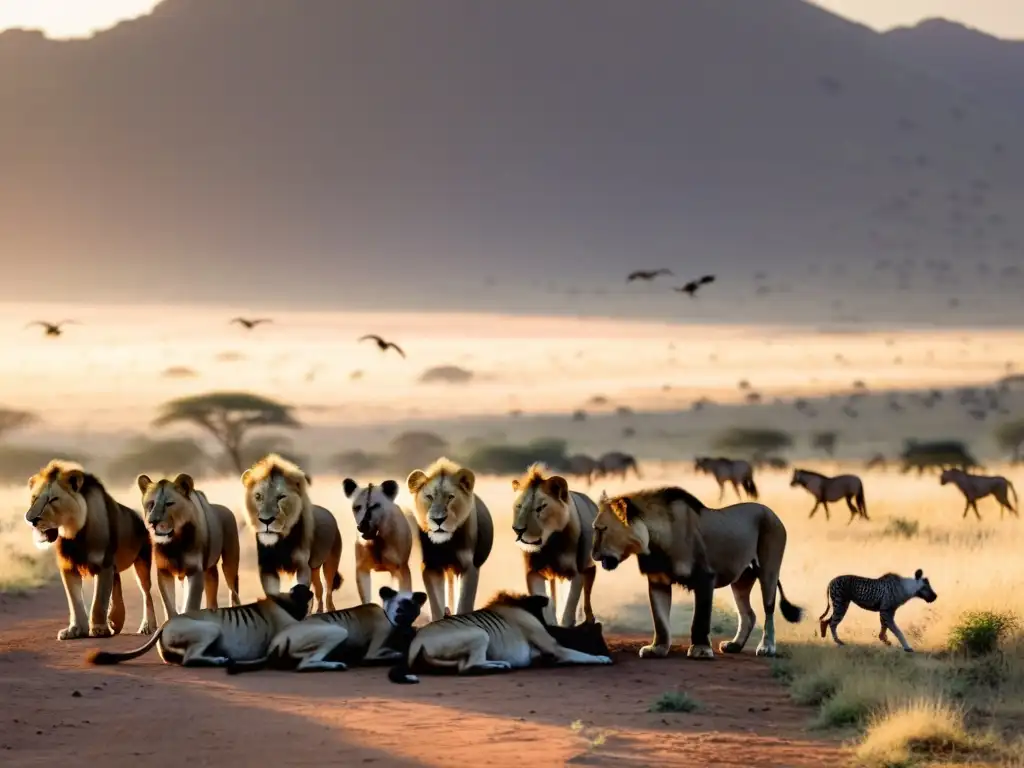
(74, 18)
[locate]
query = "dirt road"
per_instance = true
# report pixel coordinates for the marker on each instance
(54, 710)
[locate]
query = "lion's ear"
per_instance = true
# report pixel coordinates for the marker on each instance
(350, 486)
(557, 488)
(185, 484)
(465, 479)
(247, 478)
(390, 489)
(386, 593)
(416, 480)
(75, 479)
(620, 510)
(515, 485)
(604, 496)
(308, 479)
(143, 481)
(419, 598)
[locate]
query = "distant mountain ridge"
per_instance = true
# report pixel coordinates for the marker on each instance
(386, 153)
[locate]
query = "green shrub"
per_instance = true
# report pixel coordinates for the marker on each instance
(674, 701)
(507, 459)
(977, 633)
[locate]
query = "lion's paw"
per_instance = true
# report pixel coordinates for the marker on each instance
(101, 630)
(654, 651)
(146, 628)
(700, 652)
(74, 632)
(603, 660)
(729, 646)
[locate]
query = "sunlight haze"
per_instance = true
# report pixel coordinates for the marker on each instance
(77, 18)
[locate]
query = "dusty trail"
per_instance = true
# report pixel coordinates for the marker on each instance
(168, 716)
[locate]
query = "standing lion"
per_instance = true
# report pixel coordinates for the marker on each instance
(292, 534)
(190, 536)
(678, 540)
(554, 528)
(94, 536)
(456, 532)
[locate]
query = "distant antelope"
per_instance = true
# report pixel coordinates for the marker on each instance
(828, 489)
(975, 487)
(617, 463)
(877, 461)
(581, 465)
(735, 471)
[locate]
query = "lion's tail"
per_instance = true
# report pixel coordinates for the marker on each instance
(109, 657)
(402, 671)
(750, 487)
(823, 619)
(790, 612)
(336, 582)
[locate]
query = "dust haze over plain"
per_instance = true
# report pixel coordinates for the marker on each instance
(517, 157)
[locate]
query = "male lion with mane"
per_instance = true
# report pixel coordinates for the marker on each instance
(554, 528)
(292, 534)
(190, 535)
(456, 533)
(94, 536)
(679, 540)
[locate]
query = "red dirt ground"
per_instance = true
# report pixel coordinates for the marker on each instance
(55, 710)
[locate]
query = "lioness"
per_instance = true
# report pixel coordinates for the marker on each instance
(554, 528)
(365, 634)
(190, 535)
(678, 540)
(292, 534)
(456, 532)
(385, 535)
(508, 633)
(94, 536)
(213, 637)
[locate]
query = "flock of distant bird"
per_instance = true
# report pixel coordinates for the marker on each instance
(690, 288)
(57, 329)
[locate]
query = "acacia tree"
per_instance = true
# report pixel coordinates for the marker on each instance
(228, 417)
(753, 441)
(825, 441)
(12, 419)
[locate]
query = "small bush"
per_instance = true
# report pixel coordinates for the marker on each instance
(20, 570)
(901, 528)
(511, 459)
(674, 701)
(815, 688)
(977, 633)
(920, 730)
(855, 700)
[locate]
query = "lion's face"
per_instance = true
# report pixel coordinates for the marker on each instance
(57, 507)
(614, 540)
(539, 510)
(274, 503)
(371, 505)
(443, 501)
(167, 506)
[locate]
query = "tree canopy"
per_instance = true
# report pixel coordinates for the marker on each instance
(12, 419)
(1010, 437)
(753, 440)
(228, 417)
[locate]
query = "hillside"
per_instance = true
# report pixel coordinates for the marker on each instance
(360, 154)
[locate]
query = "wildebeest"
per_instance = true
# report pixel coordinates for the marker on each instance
(826, 489)
(617, 463)
(724, 470)
(583, 466)
(975, 487)
(939, 454)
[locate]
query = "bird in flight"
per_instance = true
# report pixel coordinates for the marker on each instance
(384, 345)
(647, 274)
(250, 324)
(692, 286)
(52, 329)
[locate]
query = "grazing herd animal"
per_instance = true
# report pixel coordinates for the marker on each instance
(563, 534)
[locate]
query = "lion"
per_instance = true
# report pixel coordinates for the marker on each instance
(456, 533)
(190, 535)
(678, 540)
(554, 528)
(385, 535)
(508, 633)
(214, 637)
(367, 634)
(94, 536)
(292, 534)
